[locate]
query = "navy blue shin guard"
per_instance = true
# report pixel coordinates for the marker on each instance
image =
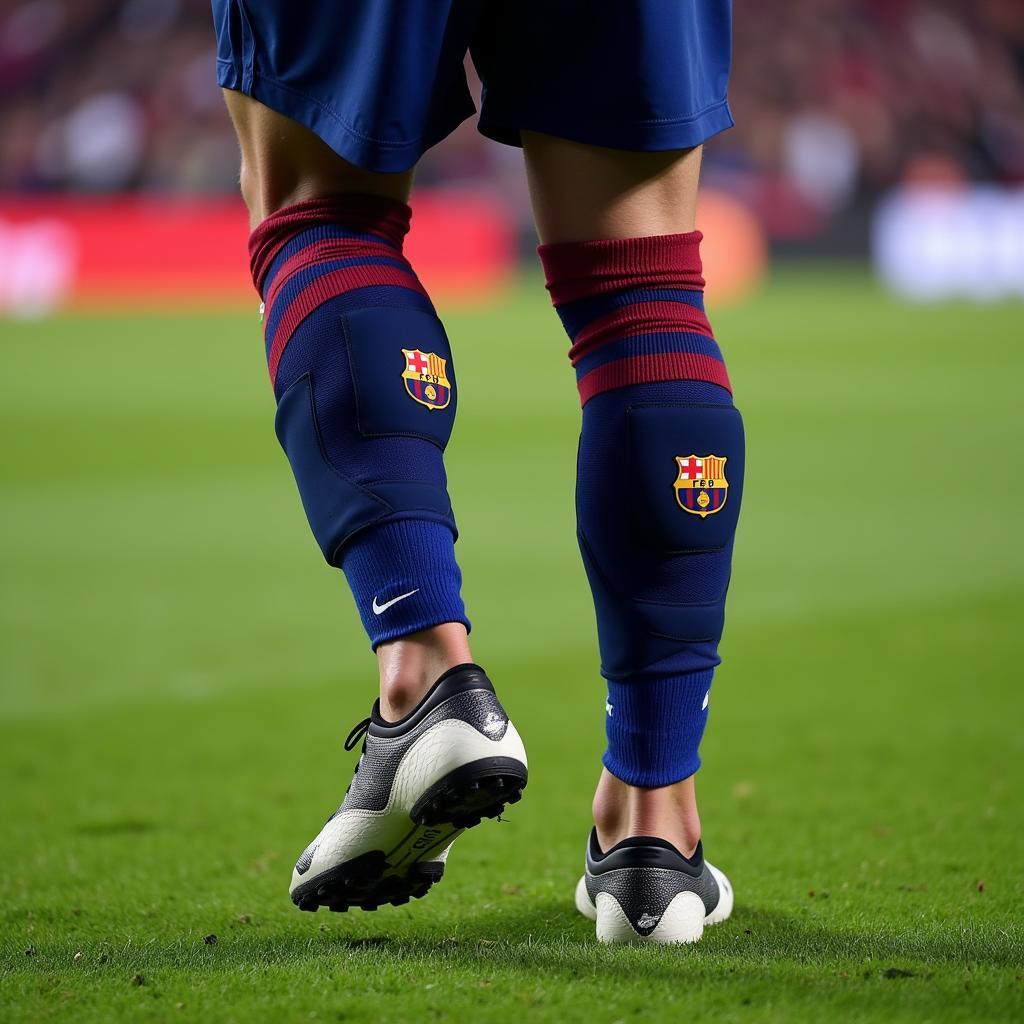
(659, 484)
(362, 373)
(657, 550)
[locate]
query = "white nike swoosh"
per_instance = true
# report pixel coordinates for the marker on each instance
(379, 608)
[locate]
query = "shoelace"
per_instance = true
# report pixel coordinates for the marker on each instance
(358, 733)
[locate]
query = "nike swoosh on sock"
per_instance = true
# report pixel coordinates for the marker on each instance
(378, 609)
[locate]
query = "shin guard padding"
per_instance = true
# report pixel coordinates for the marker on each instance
(366, 419)
(658, 501)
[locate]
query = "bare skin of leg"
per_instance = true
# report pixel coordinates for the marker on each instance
(411, 665)
(582, 193)
(284, 163)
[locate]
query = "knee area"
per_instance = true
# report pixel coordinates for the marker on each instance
(659, 490)
(366, 406)
(284, 162)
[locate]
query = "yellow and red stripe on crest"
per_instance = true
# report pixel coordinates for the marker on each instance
(713, 469)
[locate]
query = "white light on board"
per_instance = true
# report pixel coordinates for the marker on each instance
(962, 242)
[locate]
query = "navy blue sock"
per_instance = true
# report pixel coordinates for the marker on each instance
(658, 489)
(362, 373)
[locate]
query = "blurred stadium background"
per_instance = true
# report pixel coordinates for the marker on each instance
(891, 129)
(178, 667)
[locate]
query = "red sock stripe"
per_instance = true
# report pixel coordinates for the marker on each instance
(650, 369)
(639, 318)
(321, 252)
(364, 214)
(580, 270)
(327, 287)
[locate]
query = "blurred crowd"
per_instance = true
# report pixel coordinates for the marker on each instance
(107, 95)
(835, 101)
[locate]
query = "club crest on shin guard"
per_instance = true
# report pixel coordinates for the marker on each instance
(701, 487)
(425, 378)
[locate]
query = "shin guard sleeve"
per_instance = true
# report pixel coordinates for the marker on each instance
(660, 477)
(362, 373)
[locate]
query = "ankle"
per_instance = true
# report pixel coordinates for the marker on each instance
(668, 812)
(412, 664)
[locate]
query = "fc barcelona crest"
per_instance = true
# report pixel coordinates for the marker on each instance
(425, 379)
(701, 487)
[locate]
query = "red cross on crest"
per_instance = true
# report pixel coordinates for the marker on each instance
(416, 362)
(691, 468)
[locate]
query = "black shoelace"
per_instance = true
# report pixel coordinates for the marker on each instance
(358, 733)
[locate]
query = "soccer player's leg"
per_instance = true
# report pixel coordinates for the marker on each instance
(362, 373)
(659, 481)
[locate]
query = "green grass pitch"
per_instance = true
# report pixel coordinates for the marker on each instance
(178, 670)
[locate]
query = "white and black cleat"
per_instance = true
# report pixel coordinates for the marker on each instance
(420, 782)
(645, 890)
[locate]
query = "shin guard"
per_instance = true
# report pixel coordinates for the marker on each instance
(659, 482)
(362, 373)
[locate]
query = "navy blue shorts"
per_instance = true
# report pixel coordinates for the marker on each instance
(381, 81)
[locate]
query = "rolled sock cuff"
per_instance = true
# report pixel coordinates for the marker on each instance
(581, 270)
(410, 560)
(654, 727)
(384, 219)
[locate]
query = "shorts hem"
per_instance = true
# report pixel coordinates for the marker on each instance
(641, 136)
(377, 155)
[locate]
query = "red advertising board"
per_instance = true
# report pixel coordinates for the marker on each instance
(128, 253)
